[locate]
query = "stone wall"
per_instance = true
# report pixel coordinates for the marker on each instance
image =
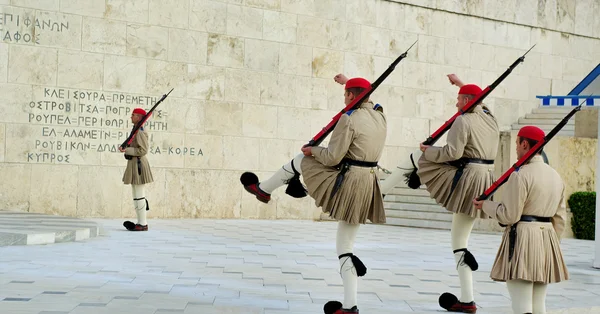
(252, 82)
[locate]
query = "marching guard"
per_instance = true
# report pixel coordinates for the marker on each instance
(533, 210)
(342, 179)
(457, 173)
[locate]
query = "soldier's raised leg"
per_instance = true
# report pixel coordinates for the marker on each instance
(288, 174)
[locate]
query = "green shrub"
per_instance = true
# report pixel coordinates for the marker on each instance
(583, 207)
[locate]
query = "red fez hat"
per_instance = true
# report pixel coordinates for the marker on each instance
(470, 89)
(357, 82)
(532, 132)
(139, 111)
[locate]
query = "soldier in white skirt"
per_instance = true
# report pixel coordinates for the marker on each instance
(342, 178)
(138, 172)
(457, 173)
(534, 212)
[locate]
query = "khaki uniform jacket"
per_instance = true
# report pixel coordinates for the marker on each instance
(472, 135)
(138, 149)
(537, 190)
(359, 135)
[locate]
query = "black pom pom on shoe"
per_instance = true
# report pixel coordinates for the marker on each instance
(447, 300)
(248, 178)
(332, 306)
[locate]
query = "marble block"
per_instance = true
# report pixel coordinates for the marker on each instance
(128, 10)
(209, 16)
(32, 65)
(170, 13)
(147, 41)
(80, 69)
(104, 36)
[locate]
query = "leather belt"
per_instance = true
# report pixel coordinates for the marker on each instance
(460, 164)
(512, 234)
(344, 166)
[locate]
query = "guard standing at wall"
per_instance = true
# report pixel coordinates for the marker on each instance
(457, 173)
(138, 172)
(342, 179)
(534, 212)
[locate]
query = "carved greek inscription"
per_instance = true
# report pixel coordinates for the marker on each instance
(75, 123)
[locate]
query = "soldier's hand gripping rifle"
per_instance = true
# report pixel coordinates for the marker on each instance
(317, 139)
(129, 139)
(530, 153)
(411, 177)
(295, 187)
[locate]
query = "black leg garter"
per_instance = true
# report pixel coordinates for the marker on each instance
(295, 187)
(467, 259)
(361, 269)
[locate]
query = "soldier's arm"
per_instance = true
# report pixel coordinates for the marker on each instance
(558, 220)
(341, 138)
(455, 143)
(510, 210)
(142, 140)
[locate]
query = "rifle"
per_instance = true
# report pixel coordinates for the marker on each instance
(129, 139)
(317, 139)
(530, 153)
(411, 178)
(476, 100)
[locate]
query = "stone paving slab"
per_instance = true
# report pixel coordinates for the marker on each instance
(22, 228)
(265, 267)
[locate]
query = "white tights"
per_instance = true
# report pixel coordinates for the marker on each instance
(462, 225)
(282, 175)
(139, 203)
(346, 234)
(527, 297)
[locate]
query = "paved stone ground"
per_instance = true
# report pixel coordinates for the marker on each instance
(250, 266)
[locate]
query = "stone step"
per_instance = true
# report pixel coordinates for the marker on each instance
(22, 228)
(546, 116)
(423, 215)
(571, 122)
(414, 199)
(415, 207)
(408, 191)
(419, 223)
(553, 109)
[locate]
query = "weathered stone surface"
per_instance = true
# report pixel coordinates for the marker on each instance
(586, 125)
(147, 41)
(3, 63)
(80, 69)
(128, 10)
(225, 51)
(170, 13)
(104, 36)
(208, 16)
(125, 74)
(32, 65)
(187, 46)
